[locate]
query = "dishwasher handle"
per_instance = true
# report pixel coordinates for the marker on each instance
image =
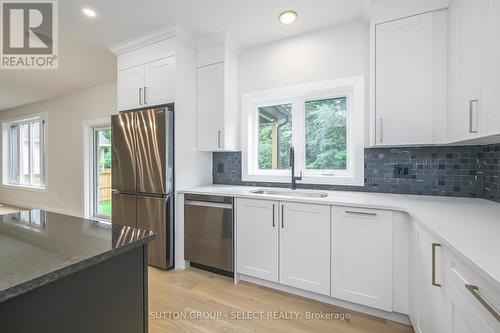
(208, 204)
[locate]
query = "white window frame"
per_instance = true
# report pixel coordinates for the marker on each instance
(352, 87)
(7, 152)
(90, 200)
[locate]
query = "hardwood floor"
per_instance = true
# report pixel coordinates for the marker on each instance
(179, 299)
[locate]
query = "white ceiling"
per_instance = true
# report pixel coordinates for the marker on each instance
(85, 61)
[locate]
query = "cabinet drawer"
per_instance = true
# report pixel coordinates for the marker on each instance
(479, 294)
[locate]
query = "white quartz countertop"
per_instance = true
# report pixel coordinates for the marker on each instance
(469, 227)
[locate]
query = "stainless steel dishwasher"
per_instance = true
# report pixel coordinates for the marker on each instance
(209, 231)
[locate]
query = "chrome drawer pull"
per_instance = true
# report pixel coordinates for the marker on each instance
(434, 283)
(282, 217)
(274, 224)
(360, 213)
(208, 204)
(474, 290)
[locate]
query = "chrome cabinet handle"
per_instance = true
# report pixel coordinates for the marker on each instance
(474, 290)
(140, 96)
(282, 217)
(360, 213)
(274, 224)
(219, 139)
(381, 130)
(434, 283)
(472, 103)
(145, 94)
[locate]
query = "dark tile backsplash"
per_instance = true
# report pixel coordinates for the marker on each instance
(465, 171)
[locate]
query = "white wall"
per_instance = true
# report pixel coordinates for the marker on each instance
(65, 160)
(335, 52)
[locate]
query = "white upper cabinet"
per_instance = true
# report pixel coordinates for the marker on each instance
(410, 80)
(474, 70)
(210, 107)
(304, 246)
(257, 238)
(130, 85)
(490, 18)
(362, 256)
(464, 82)
(146, 85)
(159, 81)
(146, 70)
(217, 94)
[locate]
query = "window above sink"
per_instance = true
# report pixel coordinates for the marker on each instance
(323, 121)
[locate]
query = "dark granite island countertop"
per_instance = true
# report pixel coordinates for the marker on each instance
(39, 248)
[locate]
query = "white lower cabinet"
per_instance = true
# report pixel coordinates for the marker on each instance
(305, 246)
(445, 292)
(257, 238)
(362, 256)
(474, 304)
(348, 253)
(464, 318)
(428, 287)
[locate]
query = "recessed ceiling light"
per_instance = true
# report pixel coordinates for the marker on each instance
(89, 12)
(288, 17)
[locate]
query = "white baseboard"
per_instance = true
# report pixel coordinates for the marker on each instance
(393, 316)
(42, 207)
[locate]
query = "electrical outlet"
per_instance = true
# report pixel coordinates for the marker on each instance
(402, 171)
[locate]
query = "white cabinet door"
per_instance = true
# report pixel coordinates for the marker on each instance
(257, 238)
(362, 256)
(464, 318)
(159, 81)
(464, 80)
(410, 83)
(130, 85)
(210, 107)
(490, 84)
(429, 292)
(305, 246)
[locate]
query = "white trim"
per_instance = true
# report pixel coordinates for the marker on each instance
(352, 87)
(217, 39)
(393, 316)
(88, 127)
(44, 152)
(153, 36)
(25, 187)
(22, 205)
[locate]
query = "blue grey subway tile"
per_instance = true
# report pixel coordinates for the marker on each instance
(468, 171)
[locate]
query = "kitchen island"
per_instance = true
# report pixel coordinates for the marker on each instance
(60, 273)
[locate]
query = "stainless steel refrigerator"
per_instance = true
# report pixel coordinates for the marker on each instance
(142, 177)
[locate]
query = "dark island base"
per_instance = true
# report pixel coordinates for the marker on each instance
(108, 297)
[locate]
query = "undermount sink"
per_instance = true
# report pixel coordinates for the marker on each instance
(291, 193)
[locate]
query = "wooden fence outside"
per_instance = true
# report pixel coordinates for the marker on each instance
(105, 185)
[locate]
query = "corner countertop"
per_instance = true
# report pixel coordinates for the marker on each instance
(38, 247)
(469, 227)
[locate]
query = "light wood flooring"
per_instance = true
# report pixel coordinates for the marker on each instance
(177, 298)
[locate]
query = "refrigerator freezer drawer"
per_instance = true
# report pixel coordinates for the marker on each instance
(124, 209)
(155, 214)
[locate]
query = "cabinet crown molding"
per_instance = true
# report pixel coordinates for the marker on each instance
(151, 37)
(220, 38)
